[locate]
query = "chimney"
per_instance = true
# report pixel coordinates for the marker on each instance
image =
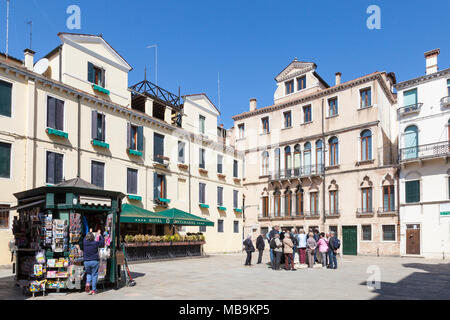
(29, 57)
(431, 61)
(338, 78)
(252, 104)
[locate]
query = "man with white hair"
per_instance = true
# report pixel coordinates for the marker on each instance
(249, 248)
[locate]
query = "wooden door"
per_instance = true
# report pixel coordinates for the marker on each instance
(349, 240)
(413, 240)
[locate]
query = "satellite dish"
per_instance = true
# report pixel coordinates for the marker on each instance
(41, 66)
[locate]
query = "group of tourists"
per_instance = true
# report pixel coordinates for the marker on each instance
(314, 247)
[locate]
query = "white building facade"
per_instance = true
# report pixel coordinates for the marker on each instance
(424, 151)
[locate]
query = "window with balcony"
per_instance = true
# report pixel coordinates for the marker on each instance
(287, 119)
(411, 143)
(333, 107)
(5, 160)
(366, 200)
(366, 145)
(98, 174)
(277, 203)
(297, 160)
(54, 168)
(410, 102)
(307, 114)
(307, 158)
(289, 86)
(5, 98)
(319, 155)
(301, 83)
(241, 128)
(287, 161)
(412, 191)
(366, 98)
(265, 163)
(334, 151)
(388, 199)
(277, 162)
(265, 125)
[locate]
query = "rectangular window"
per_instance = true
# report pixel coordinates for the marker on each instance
(366, 200)
(202, 229)
(307, 114)
(289, 86)
(181, 148)
(388, 198)
(158, 148)
(314, 203)
(201, 158)
(265, 206)
(132, 176)
(201, 126)
(55, 113)
(220, 196)
(287, 119)
(301, 83)
(201, 193)
(265, 124)
(220, 226)
(5, 160)
(54, 168)
(96, 75)
(160, 188)
(332, 107)
(412, 191)
(241, 128)
(98, 126)
(4, 217)
(235, 169)
(236, 226)
(135, 137)
(98, 174)
(366, 233)
(366, 98)
(5, 98)
(410, 97)
(388, 232)
(235, 199)
(219, 163)
(333, 202)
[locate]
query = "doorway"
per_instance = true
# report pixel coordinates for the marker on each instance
(413, 239)
(349, 240)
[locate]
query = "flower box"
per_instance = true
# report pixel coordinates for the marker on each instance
(203, 171)
(57, 133)
(183, 166)
(100, 89)
(101, 144)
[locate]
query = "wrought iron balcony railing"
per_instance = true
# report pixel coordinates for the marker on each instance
(445, 102)
(362, 212)
(303, 171)
(431, 150)
(386, 211)
(332, 213)
(281, 216)
(413, 108)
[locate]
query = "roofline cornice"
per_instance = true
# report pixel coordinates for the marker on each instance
(320, 94)
(423, 79)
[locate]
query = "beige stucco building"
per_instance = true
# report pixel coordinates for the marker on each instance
(77, 116)
(324, 157)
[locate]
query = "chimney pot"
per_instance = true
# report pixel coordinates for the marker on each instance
(431, 61)
(252, 104)
(29, 59)
(338, 78)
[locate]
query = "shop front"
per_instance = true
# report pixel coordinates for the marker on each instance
(49, 231)
(151, 235)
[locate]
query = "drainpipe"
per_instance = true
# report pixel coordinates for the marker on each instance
(79, 138)
(35, 135)
(60, 63)
(190, 202)
(323, 166)
(397, 174)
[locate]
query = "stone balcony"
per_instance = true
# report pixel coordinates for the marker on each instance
(445, 102)
(297, 173)
(411, 109)
(425, 152)
(293, 216)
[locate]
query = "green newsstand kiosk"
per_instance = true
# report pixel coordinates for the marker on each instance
(49, 231)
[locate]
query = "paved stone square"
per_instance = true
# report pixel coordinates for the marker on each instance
(225, 277)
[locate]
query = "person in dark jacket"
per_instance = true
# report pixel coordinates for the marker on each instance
(91, 260)
(272, 234)
(249, 248)
(260, 245)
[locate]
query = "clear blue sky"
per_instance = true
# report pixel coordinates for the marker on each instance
(247, 42)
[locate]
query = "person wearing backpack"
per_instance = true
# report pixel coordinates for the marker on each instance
(249, 248)
(334, 244)
(272, 234)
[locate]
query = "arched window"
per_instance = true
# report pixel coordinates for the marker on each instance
(319, 156)
(297, 161)
(287, 161)
(307, 158)
(288, 203)
(299, 199)
(411, 142)
(334, 151)
(265, 206)
(265, 163)
(277, 202)
(366, 145)
(277, 163)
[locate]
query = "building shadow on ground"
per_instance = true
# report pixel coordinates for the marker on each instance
(431, 283)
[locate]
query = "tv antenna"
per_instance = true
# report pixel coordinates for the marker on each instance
(30, 23)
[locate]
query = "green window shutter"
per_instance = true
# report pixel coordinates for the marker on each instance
(5, 160)
(140, 139)
(412, 189)
(5, 98)
(91, 76)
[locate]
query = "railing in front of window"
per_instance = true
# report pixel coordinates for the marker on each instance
(364, 212)
(161, 159)
(282, 216)
(431, 150)
(413, 108)
(303, 171)
(332, 213)
(445, 102)
(386, 211)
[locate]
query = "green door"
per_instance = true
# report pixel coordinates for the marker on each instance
(349, 240)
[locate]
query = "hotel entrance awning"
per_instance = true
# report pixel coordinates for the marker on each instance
(133, 214)
(186, 219)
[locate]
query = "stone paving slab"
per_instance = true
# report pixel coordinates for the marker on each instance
(224, 277)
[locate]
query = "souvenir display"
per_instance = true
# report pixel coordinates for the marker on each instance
(59, 236)
(75, 227)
